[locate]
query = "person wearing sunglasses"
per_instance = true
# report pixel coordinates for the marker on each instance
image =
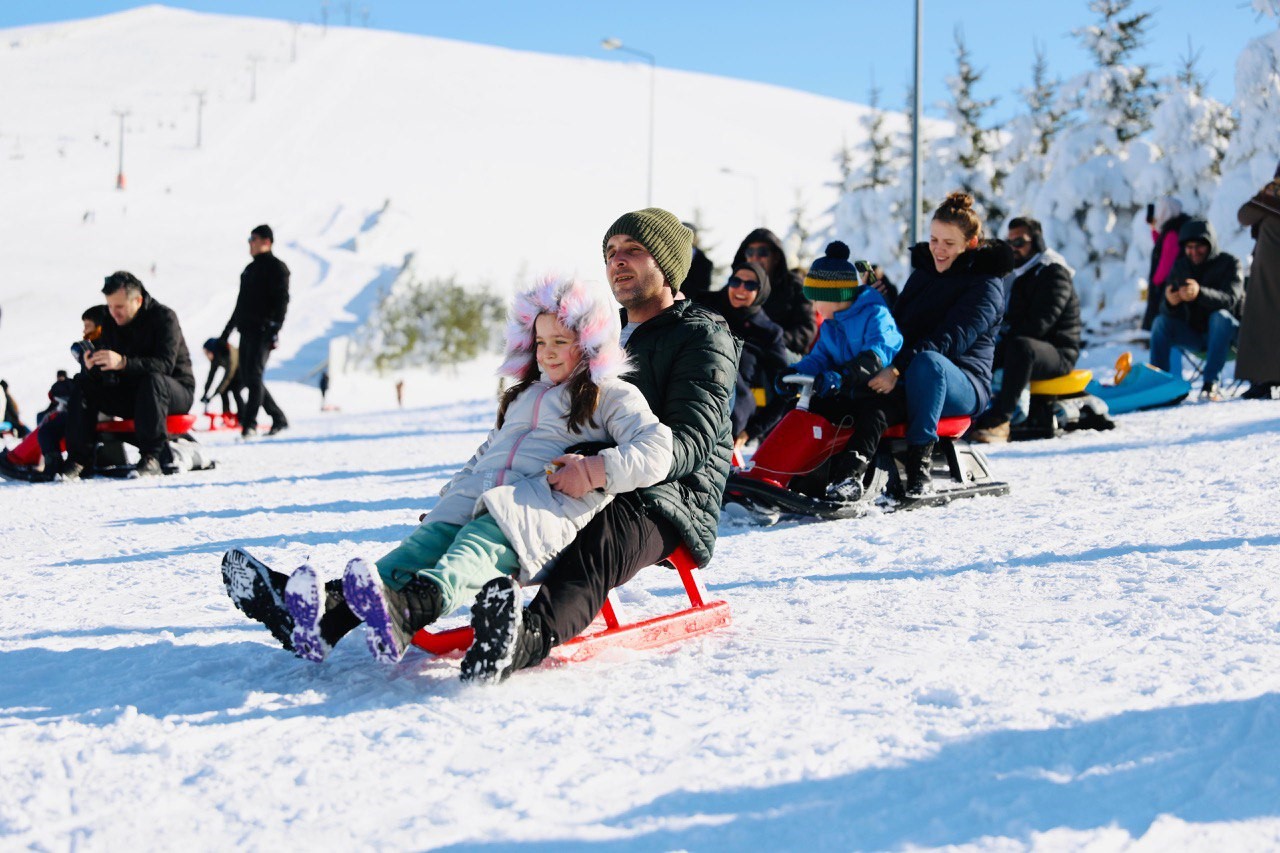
(787, 304)
(764, 355)
(1040, 338)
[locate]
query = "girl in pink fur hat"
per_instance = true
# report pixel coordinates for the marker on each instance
(500, 515)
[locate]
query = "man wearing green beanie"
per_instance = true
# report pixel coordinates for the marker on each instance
(684, 361)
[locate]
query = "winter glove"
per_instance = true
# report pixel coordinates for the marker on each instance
(851, 377)
(577, 475)
(828, 383)
(204, 400)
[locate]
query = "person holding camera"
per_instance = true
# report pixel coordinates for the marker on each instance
(138, 368)
(1201, 308)
(259, 314)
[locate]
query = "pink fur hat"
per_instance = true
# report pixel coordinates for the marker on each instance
(584, 308)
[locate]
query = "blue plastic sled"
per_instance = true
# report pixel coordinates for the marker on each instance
(1143, 387)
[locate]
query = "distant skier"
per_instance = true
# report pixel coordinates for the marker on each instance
(324, 388)
(259, 314)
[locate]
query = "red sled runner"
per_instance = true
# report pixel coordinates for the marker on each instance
(609, 631)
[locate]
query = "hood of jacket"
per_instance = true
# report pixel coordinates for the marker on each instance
(1201, 230)
(762, 235)
(586, 309)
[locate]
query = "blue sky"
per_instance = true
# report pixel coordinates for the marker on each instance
(830, 47)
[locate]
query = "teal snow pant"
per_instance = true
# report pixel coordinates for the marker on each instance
(459, 560)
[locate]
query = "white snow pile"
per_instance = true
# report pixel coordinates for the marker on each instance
(1092, 661)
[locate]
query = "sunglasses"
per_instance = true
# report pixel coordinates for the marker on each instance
(1018, 242)
(742, 282)
(762, 252)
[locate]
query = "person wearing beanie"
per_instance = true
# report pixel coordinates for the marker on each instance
(764, 355)
(259, 315)
(857, 338)
(683, 360)
(787, 304)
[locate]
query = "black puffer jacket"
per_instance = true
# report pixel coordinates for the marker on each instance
(263, 298)
(1043, 305)
(684, 364)
(1221, 282)
(151, 342)
(955, 313)
(787, 304)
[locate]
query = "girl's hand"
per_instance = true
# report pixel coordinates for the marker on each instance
(577, 474)
(884, 381)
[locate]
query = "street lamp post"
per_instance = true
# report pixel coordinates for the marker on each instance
(120, 171)
(616, 44)
(199, 93)
(917, 177)
(755, 192)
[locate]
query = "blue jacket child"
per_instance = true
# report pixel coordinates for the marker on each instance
(858, 338)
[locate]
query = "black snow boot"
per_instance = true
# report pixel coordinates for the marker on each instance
(919, 464)
(1260, 391)
(507, 636)
(257, 591)
(391, 617)
(847, 471)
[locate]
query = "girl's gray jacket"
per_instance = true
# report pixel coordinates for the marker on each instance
(507, 476)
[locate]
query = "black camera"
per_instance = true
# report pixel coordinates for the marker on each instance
(81, 350)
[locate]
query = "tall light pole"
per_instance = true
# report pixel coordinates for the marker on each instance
(120, 171)
(199, 93)
(254, 59)
(755, 191)
(616, 44)
(917, 178)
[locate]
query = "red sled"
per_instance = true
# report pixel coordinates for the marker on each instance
(27, 452)
(224, 420)
(609, 631)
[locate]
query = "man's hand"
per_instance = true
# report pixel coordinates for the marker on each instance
(1190, 290)
(106, 359)
(884, 381)
(577, 475)
(740, 440)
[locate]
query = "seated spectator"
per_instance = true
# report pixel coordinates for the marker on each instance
(1040, 338)
(11, 411)
(764, 356)
(786, 305)
(1201, 307)
(1166, 220)
(698, 281)
(858, 337)
(138, 369)
(223, 356)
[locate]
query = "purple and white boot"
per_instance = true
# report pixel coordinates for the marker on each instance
(304, 596)
(391, 617)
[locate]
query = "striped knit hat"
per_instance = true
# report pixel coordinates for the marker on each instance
(832, 278)
(670, 243)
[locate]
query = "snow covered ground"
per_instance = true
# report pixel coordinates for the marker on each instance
(1092, 660)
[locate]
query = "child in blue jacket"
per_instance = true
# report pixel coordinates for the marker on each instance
(858, 337)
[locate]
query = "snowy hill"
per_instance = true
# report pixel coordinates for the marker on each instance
(491, 163)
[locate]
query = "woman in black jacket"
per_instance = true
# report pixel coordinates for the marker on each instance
(948, 312)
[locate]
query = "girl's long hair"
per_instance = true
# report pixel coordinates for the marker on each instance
(584, 395)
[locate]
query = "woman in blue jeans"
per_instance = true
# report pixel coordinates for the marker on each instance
(948, 312)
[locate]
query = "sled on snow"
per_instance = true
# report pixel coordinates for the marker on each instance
(611, 630)
(1139, 386)
(789, 473)
(1060, 405)
(221, 421)
(20, 461)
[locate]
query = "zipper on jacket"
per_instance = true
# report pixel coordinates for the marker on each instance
(533, 424)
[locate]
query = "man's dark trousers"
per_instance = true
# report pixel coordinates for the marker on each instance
(255, 349)
(147, 398)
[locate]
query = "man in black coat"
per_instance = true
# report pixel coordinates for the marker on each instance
(1041, 334)
(259, 314)
(1201, 309)
(787, 304)
(139, 368)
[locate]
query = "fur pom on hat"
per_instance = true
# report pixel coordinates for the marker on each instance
(587, 309)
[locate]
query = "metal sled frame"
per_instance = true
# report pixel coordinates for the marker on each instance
(609, 631)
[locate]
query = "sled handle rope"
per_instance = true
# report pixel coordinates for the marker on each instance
(1123, 365)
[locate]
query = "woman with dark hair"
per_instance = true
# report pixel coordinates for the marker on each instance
(948, 312)
(1258, 349)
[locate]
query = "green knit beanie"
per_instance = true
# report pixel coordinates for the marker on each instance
(832, 278)
(659, 231)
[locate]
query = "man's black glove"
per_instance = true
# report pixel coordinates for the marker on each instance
(846, 380)
(204, 400)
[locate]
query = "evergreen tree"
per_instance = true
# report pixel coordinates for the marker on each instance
(973, 145)
(1023, 156)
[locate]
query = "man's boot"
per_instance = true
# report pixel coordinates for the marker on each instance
(258, 592)
(919, 464)
(507, 636)
(391, 617)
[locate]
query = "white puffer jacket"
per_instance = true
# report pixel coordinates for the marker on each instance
(507, 476)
